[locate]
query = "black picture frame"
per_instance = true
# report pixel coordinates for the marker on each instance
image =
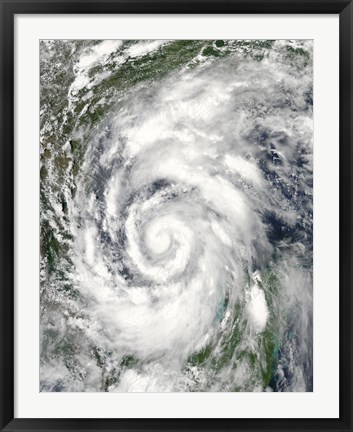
(8, 10)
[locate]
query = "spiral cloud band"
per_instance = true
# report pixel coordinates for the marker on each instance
(176, 216)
